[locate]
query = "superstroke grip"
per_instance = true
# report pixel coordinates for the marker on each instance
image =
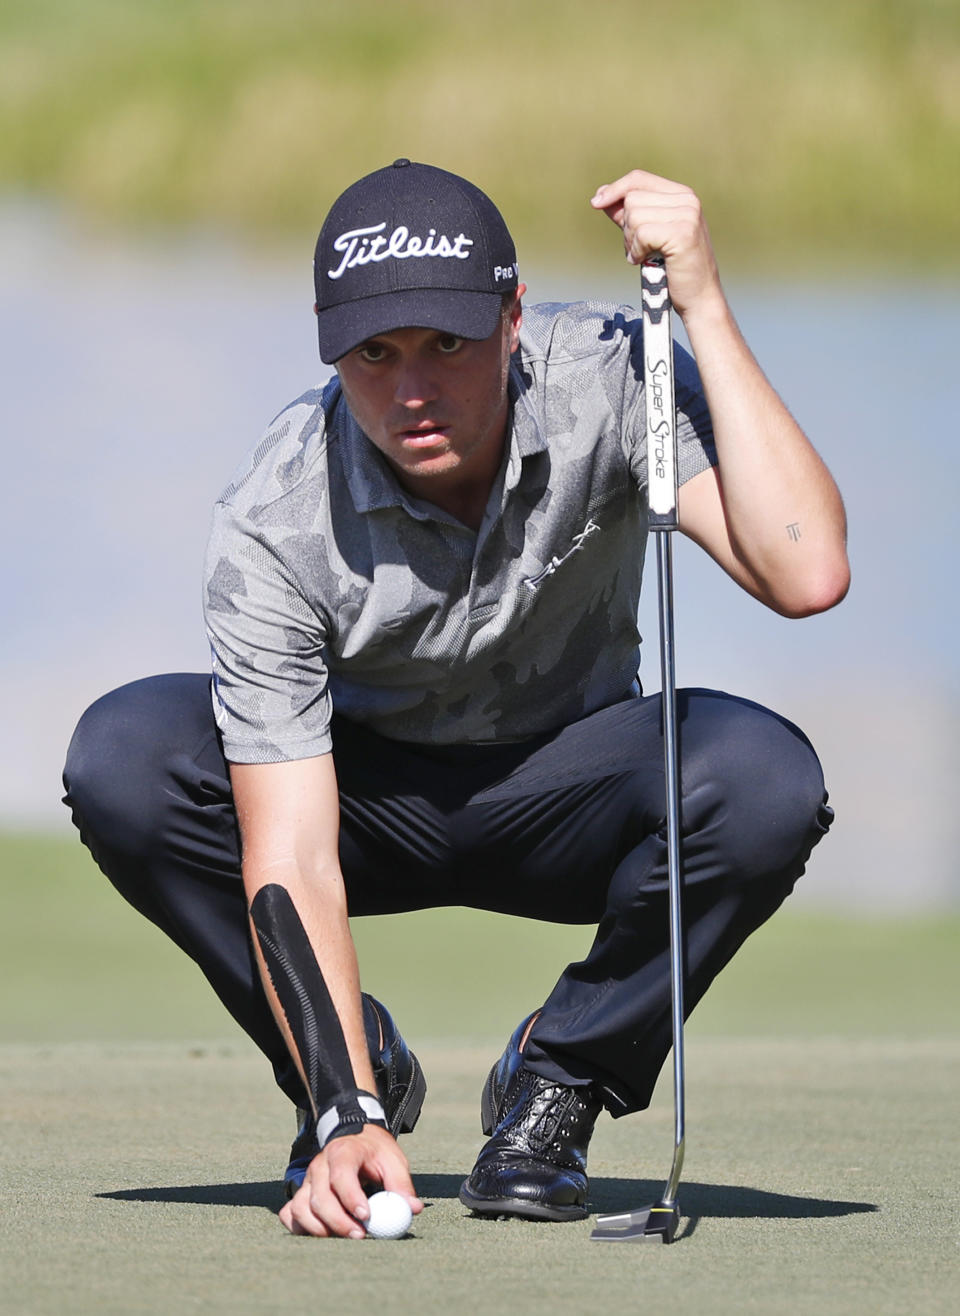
(341, 1107)
(658, 395)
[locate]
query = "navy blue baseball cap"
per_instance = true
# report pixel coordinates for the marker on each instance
(410, 246)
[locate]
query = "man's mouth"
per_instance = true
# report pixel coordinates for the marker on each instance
(423, 436)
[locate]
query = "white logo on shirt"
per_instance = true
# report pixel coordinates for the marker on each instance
(360, 246)
(534, 582)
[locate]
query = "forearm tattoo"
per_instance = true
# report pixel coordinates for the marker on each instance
(793, 530)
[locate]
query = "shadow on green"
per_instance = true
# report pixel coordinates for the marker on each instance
(699, 1199)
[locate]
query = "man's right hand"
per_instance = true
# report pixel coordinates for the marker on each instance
(331, 1201)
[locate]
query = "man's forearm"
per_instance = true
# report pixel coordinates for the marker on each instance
(784, 515)
(771, 514)
(289, 823)
(316, 1036)
(314, 990)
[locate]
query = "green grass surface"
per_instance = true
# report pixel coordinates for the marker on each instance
(142, 1136)
(84, 966)
(821, 1177)
(810, 128)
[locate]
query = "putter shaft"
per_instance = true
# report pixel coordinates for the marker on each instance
(660, 1221)
(672, 766)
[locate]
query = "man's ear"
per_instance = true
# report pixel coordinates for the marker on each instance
(516, 317)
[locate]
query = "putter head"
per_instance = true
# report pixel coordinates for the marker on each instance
(648, 1224)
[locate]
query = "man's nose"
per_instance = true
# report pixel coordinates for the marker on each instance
(415, 384)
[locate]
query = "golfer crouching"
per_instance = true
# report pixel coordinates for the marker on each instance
(421, 594)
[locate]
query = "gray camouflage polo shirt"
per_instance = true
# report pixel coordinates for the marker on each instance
(328, 586)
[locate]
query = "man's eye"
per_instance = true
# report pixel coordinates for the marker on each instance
(371, 351)
(449, 343)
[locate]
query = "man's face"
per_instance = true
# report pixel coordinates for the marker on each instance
(433, 404)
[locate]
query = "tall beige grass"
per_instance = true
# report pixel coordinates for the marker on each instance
(809, 127)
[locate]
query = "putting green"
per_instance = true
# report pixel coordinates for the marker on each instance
(141, 1169)
(821, 1177)
(84, 966)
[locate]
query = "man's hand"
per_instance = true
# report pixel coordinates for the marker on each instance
(657, 215)
(770, 513)
(331, 1201)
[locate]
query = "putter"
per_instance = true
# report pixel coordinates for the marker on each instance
(658, 1222)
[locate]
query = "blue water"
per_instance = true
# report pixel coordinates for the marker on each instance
(137, 373)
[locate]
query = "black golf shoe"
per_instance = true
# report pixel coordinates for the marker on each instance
(401, 1088)
(535, 1162)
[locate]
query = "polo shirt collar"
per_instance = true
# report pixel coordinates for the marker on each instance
(371, 483)
(527, 436)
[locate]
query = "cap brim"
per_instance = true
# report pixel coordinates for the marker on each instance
(452, 311)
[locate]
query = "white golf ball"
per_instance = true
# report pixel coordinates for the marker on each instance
(390, 1216)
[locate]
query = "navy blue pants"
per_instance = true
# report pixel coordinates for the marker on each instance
(567, 828)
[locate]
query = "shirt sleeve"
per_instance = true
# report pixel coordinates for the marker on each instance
(270, 695)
